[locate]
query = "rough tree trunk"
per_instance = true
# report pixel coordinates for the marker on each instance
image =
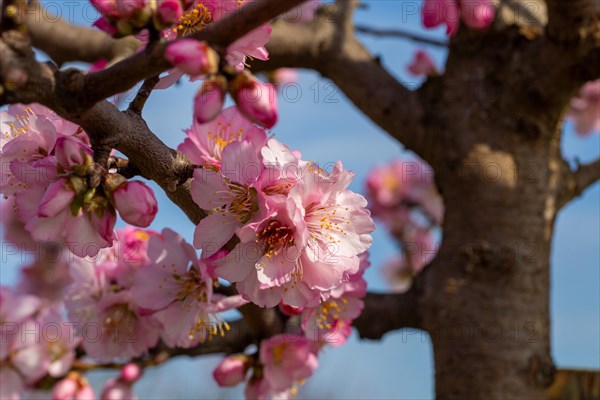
(486, 297)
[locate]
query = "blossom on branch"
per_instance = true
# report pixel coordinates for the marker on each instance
(476, 14)
(585, 109)
(60, 193)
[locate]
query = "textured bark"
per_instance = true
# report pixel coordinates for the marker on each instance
(490, 126)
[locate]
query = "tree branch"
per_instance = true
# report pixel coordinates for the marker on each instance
(220, 34)
(64, 42)
(137, 105)
(339, 56)
(576, 182)
(400, 34)
(388, 312)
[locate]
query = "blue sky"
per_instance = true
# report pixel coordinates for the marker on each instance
(322, 124)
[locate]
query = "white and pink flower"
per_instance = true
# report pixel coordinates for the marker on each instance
(287, 360)
(176, 288)
(205, 142)
(111, 324)
(585, 109)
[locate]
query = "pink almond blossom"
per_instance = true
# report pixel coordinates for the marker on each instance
(287, 360)
(177, 288)
(229, 195)
(111, 324)
(585, 109)
(205, 142)
(205, 12)
(330, 322)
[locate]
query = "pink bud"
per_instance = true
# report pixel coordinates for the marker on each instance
(73, 387)
(209, 100)
(106, 7)
(116, 389)
(422, 64)
(256, 101)
(168, 12)
(57, 198)
(65, 389)
(192, 57)
(85, 393)
(131, 373)
(231, 371)
(479, 14)
(432, 13)
(438, 12)
(72, 153)
(136, 203)
(128, 8)
(104, 25)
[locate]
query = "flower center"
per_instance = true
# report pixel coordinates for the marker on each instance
(192, 21)
(217, 141)
(243, 204)
(330, 311)
(324, 221)
(275, 237)
(278, 352)
(191, 287)
(120, 322)
(20, 126)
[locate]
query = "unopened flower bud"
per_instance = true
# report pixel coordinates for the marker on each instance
(136, 203)
(232, 370)
(167, 13)
(256, 100)
(192, 57)
(209, 100)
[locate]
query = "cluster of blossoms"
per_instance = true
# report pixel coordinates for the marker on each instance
(174, 18)
(403, 196)
(476, 14)
(585, 109)
(285, 361)
(300, 229)
(298, 234)
(35, 341)
(58, 192)
(285, 232)
(148, 286)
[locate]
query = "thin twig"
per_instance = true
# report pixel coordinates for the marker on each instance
(401, 34)
(137, 105)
